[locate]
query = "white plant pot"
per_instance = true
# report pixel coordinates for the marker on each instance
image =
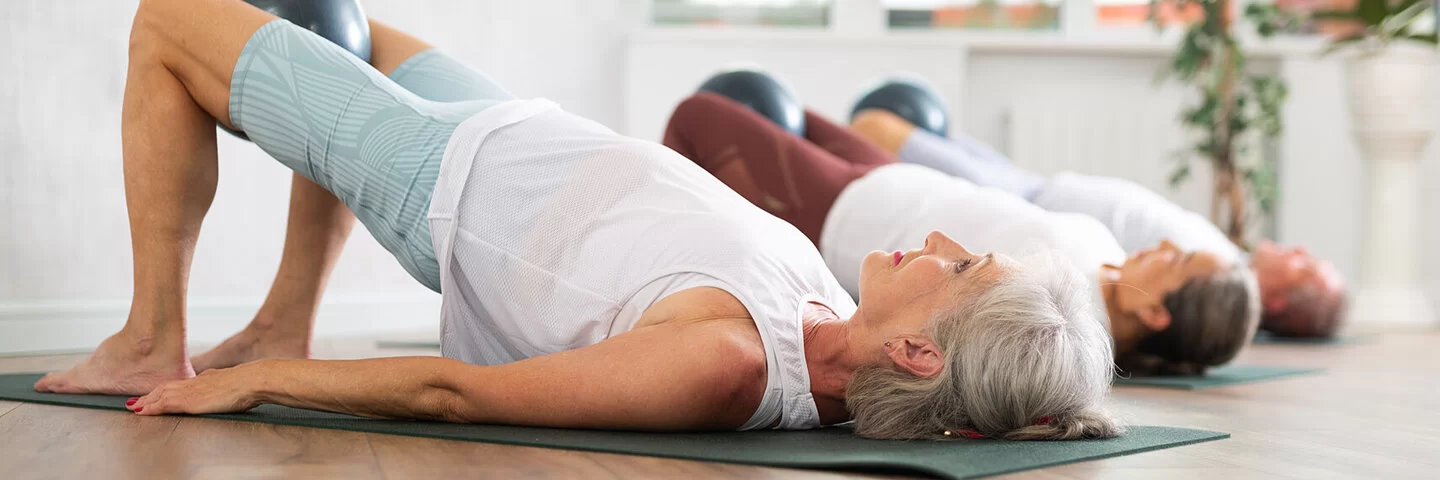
(1391, 100)
(1391, 90)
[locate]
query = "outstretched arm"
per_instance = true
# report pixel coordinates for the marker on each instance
(698, 376)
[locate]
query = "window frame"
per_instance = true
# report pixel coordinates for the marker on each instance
(1078, 21)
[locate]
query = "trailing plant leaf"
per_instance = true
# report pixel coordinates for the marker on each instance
(1398, 23)
(1343, 42)
(1427, 38)
(1381, 22)
(1264, 187)
(1179, 175)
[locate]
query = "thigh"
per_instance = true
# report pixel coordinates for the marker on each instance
(784, 174)
(436, 76)
(334, 119)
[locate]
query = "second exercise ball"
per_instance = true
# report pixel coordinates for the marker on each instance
(342, 22)
(910, 100)
(763, 94)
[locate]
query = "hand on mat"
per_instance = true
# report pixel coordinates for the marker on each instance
(223, 390)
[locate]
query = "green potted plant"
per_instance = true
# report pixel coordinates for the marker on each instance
(1238, 110)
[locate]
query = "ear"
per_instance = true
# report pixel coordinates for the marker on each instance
(1155, 317)
(1276, 303)
(918, 355)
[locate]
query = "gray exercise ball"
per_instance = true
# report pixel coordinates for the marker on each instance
(763, 94)
(342, 22)
(910, 100)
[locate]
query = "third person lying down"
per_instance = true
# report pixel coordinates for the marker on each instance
(1301, 295)
(1169, 311)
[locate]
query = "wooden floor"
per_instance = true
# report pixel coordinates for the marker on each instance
(1372, 414)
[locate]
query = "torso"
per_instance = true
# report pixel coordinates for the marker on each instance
(554, 233)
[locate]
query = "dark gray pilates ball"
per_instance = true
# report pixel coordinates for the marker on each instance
(342, 22)
(763, 94)
(909, 100)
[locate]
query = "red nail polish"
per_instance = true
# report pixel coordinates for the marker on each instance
(131, 401)
(139, 409)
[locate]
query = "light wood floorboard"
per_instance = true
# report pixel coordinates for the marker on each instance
(1371, 414)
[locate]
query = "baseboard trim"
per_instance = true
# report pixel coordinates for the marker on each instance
(78, 325)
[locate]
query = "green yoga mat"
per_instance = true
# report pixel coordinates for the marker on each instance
(1217, 377)
(826, 448)
(1269, 338)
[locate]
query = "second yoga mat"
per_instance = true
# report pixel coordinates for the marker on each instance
(1217, 377)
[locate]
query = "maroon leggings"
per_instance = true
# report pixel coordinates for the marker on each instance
(794, 178)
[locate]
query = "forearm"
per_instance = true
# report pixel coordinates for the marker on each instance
(402, 388)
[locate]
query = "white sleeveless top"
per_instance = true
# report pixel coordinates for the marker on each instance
(1138, 217)
(553, 233)
(895, 206)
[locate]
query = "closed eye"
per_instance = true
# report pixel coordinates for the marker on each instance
(960, 267)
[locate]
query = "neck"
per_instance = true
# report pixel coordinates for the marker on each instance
(830, 362)
(1123, 329)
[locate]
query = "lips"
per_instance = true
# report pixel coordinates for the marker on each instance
(898, 257)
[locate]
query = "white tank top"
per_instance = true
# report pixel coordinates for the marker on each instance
(893, 207)
(553, 233)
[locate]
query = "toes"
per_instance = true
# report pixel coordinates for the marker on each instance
(52, 383)
(43, 385)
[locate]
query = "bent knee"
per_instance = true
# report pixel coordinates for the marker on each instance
(147, 31)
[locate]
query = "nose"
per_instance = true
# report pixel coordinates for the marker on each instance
(939, 243)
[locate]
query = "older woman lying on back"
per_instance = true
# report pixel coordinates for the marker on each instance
(588, 280)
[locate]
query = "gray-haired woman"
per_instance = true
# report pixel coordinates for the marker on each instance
(588, 280)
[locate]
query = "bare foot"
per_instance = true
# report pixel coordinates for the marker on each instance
(254, 343)
(122, 365)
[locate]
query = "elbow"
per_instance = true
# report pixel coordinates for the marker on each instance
(448, 397)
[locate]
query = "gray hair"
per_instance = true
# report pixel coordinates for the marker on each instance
(1310, 311)
(1211, 320)
(1027, 349)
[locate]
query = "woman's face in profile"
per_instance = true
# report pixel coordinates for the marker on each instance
(1149, 275)
(913, 285)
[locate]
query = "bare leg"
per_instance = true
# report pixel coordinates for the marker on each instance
(178, 82)
(314, 237)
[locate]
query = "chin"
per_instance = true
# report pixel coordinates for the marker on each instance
(868, 266)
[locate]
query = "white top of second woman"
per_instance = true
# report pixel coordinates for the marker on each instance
(895, 203)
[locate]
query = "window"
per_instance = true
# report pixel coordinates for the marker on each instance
(1303, 8)
(803, 13)
(974, 14)
(1117, 13)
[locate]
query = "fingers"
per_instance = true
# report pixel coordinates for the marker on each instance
(165, 399)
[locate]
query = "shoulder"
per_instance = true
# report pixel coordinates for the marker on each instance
(728, 367)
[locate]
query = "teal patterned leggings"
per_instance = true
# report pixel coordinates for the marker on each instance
(374, 142)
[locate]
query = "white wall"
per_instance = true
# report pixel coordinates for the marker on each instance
(65, 272)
